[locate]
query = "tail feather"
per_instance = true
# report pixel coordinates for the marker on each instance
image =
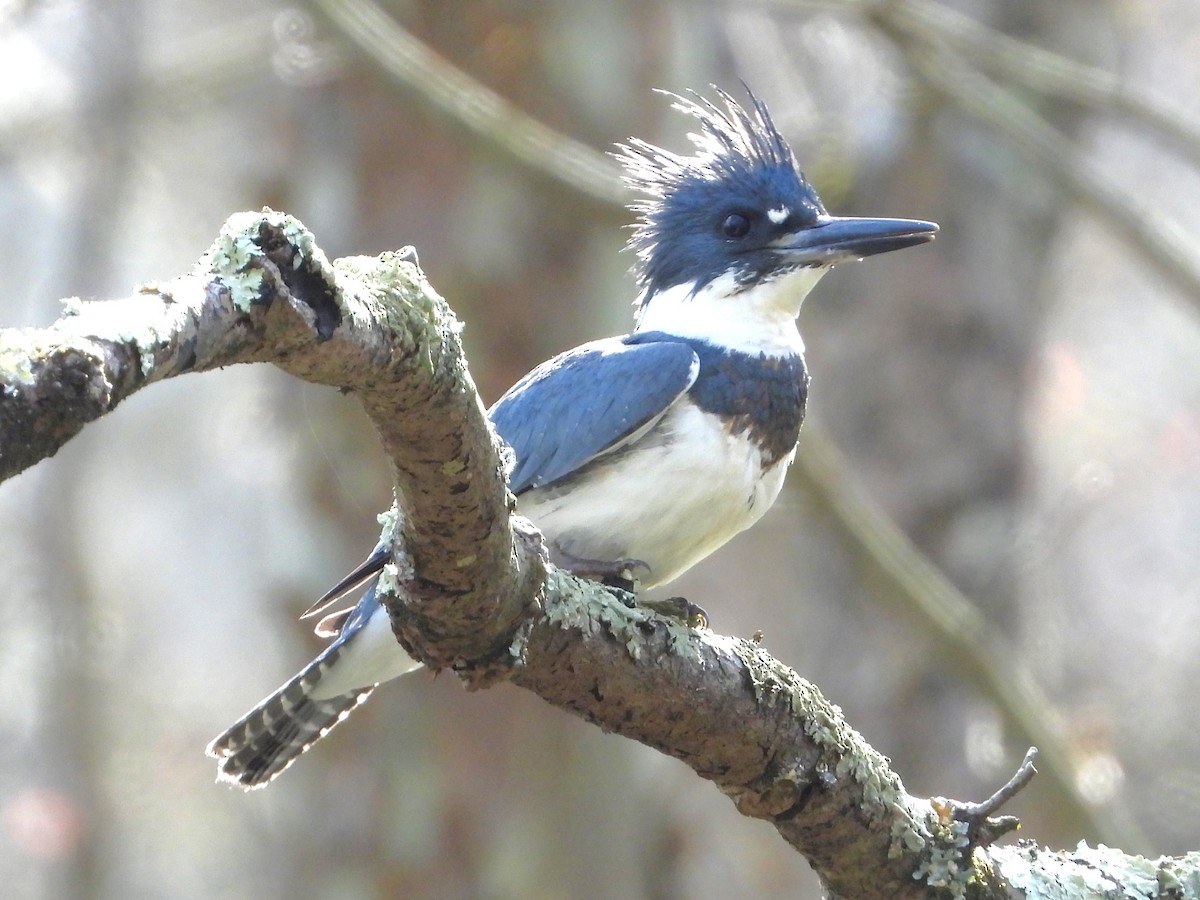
(259, 746)
(269, 738)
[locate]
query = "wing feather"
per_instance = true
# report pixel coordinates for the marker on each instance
(587, 402)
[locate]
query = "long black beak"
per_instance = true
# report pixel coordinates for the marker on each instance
(837, 239)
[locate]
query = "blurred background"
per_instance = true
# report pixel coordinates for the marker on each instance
(990, 540)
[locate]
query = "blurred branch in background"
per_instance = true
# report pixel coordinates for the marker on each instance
(914, 583)
(911, 584)
(419, 70)
(1149, 232)
(1050, 74)
(1020, 63)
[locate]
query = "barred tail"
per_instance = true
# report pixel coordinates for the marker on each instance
(269, 738)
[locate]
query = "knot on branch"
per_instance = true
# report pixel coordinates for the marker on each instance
(260, 257)
(481, 640)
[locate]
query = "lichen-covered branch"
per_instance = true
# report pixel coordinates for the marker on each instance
(265, 293)
(470, 589)
(237, 301)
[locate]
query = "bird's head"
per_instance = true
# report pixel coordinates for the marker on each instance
(735, 230)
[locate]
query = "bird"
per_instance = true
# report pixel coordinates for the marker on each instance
(639, 455)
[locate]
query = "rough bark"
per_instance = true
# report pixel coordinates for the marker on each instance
(469, 588)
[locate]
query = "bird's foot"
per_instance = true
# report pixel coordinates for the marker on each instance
(681, 608)
(623, 574)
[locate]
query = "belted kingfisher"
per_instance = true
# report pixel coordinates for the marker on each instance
(636, 456)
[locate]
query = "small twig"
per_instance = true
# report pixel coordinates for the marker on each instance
(967, 812)
(983, 827)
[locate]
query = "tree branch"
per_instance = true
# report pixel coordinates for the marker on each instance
(469, 588)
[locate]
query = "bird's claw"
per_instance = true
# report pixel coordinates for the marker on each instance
(681, 608)
(623, 574)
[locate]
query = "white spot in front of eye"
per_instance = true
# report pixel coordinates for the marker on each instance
(778, 216)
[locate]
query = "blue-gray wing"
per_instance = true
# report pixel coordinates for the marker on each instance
(587, 402)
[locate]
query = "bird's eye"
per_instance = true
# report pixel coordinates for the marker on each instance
(735, 225)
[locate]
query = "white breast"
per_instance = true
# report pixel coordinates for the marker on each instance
(669, 500)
